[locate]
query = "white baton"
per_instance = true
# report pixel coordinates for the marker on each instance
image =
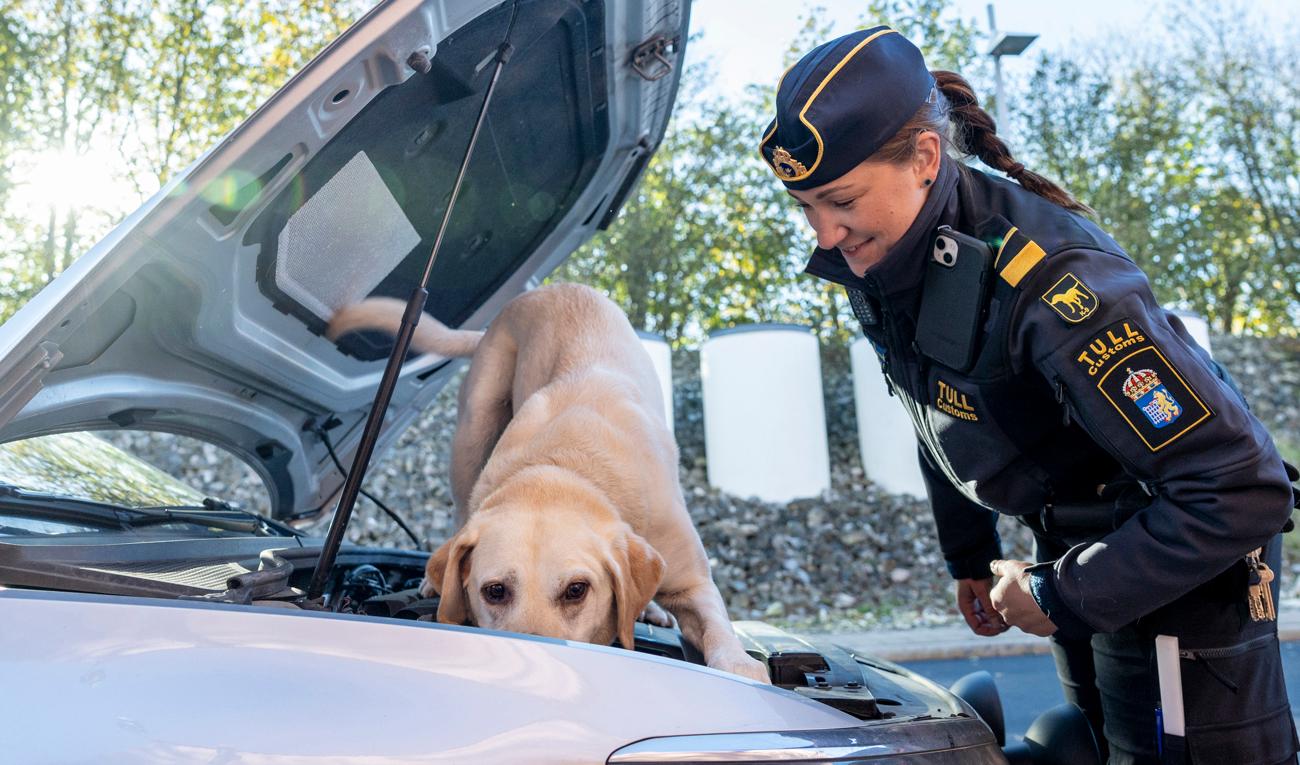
(1170, 671)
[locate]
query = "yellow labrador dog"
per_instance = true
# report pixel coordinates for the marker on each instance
(564, 473)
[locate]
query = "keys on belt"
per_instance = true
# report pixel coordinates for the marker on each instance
(1259, 595)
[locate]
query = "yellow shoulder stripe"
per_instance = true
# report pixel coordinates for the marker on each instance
(1022, 263)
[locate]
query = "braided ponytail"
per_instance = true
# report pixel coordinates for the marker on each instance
(957, 118)
(974, 132)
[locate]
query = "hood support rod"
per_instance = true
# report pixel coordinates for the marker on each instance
(401, 344)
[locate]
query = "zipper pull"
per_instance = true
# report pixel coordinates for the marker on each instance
(1061, 399)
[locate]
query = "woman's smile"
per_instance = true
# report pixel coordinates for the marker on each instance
(882, 198)
(863, 255)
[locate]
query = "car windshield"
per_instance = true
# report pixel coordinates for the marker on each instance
(82, 466)
(77, 483)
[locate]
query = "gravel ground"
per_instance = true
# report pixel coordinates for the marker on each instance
(854, 558)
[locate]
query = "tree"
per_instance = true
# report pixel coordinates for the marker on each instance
(210, 65)
(702, 241)
(710, 238)
(155, 83)
(1245, 76)
(16, 81)
(1188, 154)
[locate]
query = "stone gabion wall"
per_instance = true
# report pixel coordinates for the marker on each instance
(855, 557)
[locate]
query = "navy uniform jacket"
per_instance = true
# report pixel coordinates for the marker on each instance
(1081, 380)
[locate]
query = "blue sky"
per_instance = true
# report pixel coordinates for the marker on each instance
(746, 38)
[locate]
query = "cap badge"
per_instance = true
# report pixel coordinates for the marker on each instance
(786, 165)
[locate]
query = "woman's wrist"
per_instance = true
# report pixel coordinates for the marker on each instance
(1042, 585)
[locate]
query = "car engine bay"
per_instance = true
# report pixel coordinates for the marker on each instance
(384, 584)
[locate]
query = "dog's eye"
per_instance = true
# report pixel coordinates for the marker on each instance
(576, 591)
(495, 592)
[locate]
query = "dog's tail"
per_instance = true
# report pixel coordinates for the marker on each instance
(385, 314)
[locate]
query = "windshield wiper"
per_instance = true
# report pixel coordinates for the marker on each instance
(212, 513)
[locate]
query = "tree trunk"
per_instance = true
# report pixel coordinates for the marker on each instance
(1228, 309)
(69, 237)
(50, 265)
(833, 309)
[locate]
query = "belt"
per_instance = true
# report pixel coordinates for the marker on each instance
(1089, 521)
(1072, 524)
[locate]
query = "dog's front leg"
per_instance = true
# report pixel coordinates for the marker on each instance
(655, 614)
(703, 619)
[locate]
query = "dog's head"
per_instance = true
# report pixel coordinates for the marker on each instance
(547, 555)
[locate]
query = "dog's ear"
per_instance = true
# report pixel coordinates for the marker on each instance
(636, 569)
(446, 572)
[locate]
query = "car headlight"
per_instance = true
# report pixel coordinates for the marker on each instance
(963, 740)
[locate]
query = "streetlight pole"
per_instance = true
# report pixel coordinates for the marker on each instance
(1006, 44)
(997, 72)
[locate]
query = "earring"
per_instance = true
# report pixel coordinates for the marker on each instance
(928, 181)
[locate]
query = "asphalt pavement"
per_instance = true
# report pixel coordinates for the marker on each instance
(1027, 683)
(1020, 664)
(956, 641)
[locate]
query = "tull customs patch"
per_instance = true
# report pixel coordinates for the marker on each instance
(1146, 390)
(954, 403)
(1109, 344)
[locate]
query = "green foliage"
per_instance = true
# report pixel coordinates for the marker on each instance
(154, 83)
(704, 243)
(15, 88)
(710, 239)
(1189, 155)
(1187, 144)
(210, 65)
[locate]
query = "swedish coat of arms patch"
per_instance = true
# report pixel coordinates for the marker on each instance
(1071, 299)
(1152, 397)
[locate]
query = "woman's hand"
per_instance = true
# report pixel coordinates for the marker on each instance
(977, 607)
(1012, 599)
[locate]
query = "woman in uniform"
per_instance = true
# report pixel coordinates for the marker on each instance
(1045, 382)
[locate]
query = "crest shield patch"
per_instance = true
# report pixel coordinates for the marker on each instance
(1152, 397)
(1071, 299)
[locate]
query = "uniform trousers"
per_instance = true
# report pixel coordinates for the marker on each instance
(1236, 708)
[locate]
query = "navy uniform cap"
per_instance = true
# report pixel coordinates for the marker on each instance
(841, 102)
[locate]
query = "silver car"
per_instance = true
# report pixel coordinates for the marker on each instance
(144, 622)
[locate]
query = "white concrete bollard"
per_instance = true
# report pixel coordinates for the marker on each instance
(764, 418)
(1197, 327)
(661, 355)
(886, 437)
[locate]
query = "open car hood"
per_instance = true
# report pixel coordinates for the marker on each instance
(202, 313)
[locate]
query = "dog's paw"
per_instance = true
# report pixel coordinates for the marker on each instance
(426, 589)
(656, 615)
(743, 665)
